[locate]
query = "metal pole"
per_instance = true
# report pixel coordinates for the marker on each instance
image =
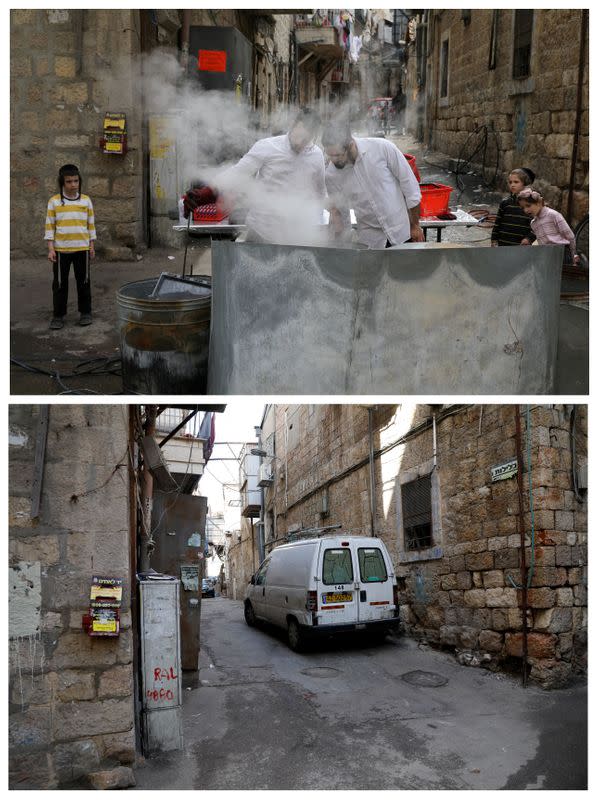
(40, 457)
(580, 77)
(373, 511)
(522, 539)
(147, 495)
(187, 241)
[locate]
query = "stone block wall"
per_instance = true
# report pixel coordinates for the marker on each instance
(68, 68)
(534, 118)
(71, 699)
(470, 596)
(242, 559)
(464, 591)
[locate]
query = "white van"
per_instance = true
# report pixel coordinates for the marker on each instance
(324, 586)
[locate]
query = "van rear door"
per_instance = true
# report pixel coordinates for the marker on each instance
(374, 592)
(338, 599)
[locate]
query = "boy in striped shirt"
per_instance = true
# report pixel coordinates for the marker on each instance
(70, 233)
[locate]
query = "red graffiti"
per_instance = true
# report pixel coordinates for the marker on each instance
(163, 674)
(159, 694)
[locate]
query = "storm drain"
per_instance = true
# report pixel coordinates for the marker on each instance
(421, 678)
(319, 672)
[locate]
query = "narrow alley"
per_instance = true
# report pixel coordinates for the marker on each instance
(89, 362)
(352, 716)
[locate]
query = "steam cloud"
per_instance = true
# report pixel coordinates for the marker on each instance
(214, 129)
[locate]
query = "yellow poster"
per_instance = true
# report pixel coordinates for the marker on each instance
(160, 137)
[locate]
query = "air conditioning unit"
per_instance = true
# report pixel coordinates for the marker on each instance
(266, 474)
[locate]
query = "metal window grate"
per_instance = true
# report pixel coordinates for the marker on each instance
(416, 499)
(522, 42)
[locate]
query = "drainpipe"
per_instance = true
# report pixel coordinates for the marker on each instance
(373, 511)
(185, 29)
(147, 496)
(523, 588)
(434, 441)
(79, 28)
(580, 77)
(295, 70)
(286, 462)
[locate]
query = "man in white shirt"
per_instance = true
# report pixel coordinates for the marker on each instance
(372, 177)
(281, 181)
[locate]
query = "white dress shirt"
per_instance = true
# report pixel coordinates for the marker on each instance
(380, 187)
(285, 190)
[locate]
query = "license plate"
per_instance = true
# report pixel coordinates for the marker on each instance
(337, 597)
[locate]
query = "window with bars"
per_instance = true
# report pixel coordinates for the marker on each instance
(416, 498)
(522, 42)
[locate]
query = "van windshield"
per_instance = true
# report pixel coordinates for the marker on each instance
(337, 566)
(371, 565)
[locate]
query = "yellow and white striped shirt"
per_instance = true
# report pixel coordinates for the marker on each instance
(70, 224)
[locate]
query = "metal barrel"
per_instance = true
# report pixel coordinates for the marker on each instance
(164, 341)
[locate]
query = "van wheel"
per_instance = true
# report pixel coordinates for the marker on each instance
(250, 615)
(295, 637)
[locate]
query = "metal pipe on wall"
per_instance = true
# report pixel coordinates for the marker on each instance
(185, 28)
(578, 111)
(147, 495)
(373, 509)
(523, 588)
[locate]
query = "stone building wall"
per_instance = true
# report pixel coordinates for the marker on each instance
(459, 592)
(68, 68)
(533, 117)
(242, 559)
(71, 702)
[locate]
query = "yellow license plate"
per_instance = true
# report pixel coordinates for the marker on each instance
(337, 597)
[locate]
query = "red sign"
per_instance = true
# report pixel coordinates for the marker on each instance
(212, 61)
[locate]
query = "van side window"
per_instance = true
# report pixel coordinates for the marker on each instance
(337, 566)
(260, 575)
(371, 565)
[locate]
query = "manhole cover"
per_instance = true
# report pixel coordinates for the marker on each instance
(319, 672)
(420, 678)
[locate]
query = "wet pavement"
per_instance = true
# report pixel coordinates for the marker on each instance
(86, 360)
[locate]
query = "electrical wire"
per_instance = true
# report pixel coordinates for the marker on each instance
(464, 161)
(103, 365)
(76, 497)
(488, 141)
(106, 365)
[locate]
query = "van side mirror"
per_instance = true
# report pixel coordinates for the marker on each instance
(252, 580)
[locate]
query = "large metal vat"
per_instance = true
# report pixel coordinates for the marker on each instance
(420, 319)
(164, 341)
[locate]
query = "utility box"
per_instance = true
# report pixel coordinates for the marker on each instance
(220, 58)
(160, 664)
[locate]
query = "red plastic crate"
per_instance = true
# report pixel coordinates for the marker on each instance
(413, 164)
(211, 212)
(435, 199)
